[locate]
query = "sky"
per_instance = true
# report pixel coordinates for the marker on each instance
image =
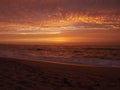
(59, 21)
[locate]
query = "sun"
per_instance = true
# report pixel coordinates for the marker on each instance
(58, 40)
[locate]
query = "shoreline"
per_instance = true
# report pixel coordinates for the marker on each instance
(58, 63)
(72, 61)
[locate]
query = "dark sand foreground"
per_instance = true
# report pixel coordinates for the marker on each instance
(16, 74)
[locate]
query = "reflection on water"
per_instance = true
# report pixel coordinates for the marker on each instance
(78, 52)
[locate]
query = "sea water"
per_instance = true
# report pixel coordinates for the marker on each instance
(98, 55)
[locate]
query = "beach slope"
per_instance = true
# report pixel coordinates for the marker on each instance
(17, 74)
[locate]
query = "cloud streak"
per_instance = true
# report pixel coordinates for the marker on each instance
(56, 17)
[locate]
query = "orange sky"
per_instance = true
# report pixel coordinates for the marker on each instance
(59, 21)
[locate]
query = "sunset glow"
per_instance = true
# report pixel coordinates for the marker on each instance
(60, 21)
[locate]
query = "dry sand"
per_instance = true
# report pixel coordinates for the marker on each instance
(16, 74)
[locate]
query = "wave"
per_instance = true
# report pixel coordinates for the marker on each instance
(87, 61)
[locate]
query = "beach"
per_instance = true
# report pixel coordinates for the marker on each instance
(20, 74)
(59, 44)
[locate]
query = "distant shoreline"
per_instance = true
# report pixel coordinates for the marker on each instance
(65, 44)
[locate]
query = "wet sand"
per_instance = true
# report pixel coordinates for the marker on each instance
(17, 74)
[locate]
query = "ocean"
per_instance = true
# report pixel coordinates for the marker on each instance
(98, 55)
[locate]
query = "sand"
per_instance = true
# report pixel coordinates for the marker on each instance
(17, 74)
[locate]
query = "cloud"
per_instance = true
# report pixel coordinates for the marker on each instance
(41, 8)
(59, 17)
